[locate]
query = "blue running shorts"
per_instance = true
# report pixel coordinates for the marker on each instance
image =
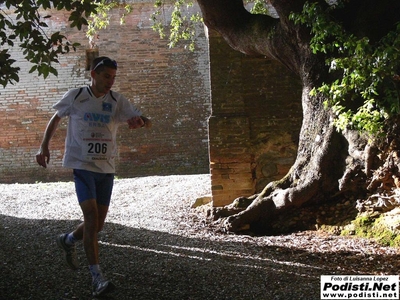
(92, 185)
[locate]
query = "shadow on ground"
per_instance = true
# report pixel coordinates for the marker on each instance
(146, 264)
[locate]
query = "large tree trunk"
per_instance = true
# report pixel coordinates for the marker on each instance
(327, 161)
(325, 166)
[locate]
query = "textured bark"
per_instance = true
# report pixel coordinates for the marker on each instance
(327, 161)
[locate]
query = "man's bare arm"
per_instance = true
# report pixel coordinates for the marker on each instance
(43, 155)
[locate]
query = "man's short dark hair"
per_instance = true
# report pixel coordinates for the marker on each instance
(99, 63)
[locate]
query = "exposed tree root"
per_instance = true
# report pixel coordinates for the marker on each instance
(312, 179)
(379, 194)
(260, 213)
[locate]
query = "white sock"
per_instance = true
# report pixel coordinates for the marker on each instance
(96, 272)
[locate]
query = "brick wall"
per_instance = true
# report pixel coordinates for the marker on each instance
(171, 86)
(251, 136)
(255, 122)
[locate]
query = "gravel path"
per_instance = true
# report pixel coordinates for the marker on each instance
(154, 246)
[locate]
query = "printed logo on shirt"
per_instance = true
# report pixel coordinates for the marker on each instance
(97, 135)
(84, 100)
(100, 118)
(107, 107)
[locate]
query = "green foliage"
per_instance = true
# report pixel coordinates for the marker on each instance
(100, 18)
(41, 48)
(182, 27)
(28, 31)
(259, 7)
(365, 71)
(8, 73)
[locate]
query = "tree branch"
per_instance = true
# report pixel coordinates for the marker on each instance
(252, 34)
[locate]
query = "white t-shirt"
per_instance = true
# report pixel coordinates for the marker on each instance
(90, 143)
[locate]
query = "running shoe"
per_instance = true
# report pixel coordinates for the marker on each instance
(70, 252)
(102, 287)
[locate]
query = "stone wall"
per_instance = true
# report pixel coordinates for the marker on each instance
(255, 122)
(171, 86)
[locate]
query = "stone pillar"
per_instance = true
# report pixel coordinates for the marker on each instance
(229, 126)
(230, 160)
(254, 124)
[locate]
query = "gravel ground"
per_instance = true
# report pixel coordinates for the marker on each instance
(154, 246)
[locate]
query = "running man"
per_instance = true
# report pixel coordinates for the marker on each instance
(94, 114)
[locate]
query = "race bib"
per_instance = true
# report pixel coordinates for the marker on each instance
(97, 146)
